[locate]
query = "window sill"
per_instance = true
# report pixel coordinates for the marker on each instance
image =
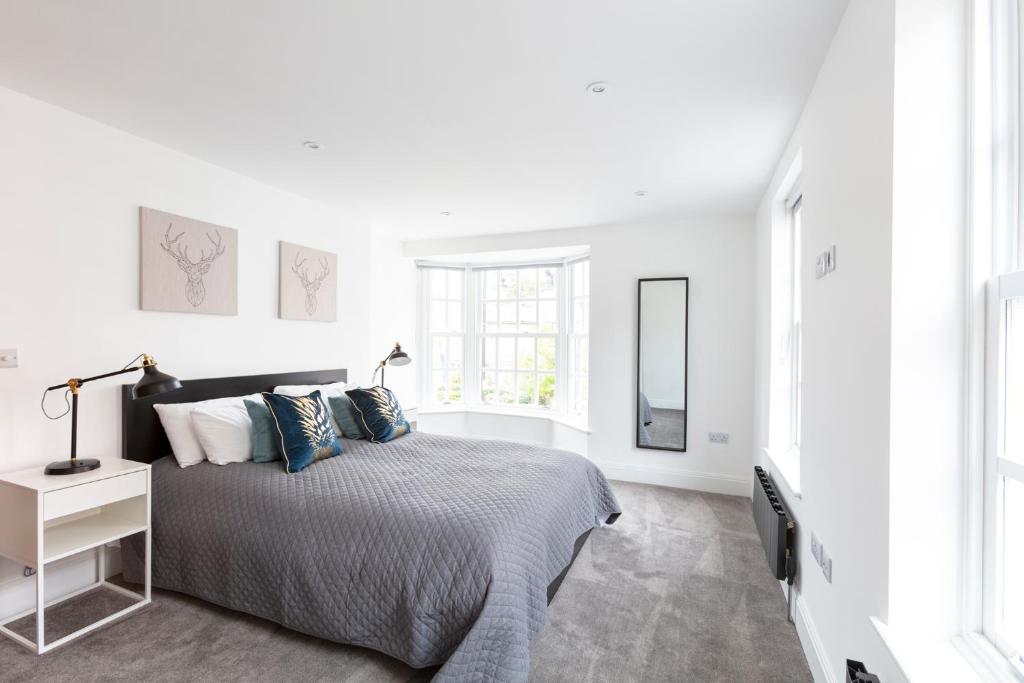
(964, 658)
(577, 423)
(786, 466)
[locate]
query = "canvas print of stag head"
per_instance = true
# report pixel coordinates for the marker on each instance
(308, 283)
(187, 266)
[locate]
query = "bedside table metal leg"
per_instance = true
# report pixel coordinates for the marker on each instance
(40, 586)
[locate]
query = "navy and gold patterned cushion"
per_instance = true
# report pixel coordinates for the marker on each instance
(380, 415)
(304, 428)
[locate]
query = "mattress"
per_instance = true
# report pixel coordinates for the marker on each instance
(435, 550)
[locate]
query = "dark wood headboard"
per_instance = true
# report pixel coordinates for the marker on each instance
(142, 435)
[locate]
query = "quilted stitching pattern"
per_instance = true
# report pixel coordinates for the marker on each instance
(432, 549)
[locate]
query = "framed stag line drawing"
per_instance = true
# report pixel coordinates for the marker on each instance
(187, 266)
(308, 286)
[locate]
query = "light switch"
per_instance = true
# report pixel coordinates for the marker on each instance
(8, 358)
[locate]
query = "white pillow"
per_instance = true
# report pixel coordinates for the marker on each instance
(178, 426)
(225, 432)
(326, 390)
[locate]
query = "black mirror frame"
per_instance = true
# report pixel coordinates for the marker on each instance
(686, 364)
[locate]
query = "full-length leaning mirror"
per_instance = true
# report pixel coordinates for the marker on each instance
(661, 363)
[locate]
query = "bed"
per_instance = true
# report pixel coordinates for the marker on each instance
(439, 551)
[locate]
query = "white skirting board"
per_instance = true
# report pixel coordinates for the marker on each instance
(18, 593)
(814, 650)
(661, 476)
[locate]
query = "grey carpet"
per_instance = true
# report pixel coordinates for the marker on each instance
(668, 427)
(677, 590)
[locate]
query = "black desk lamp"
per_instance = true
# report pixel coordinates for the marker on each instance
(153, 382)
(396, 357)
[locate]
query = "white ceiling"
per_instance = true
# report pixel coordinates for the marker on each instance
(469, 106)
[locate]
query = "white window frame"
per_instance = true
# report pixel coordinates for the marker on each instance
(785, 397)
(995, 253)
(1001, 288)
(573, 373)
(473, 335)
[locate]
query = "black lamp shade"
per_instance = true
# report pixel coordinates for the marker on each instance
(154, 382)
(399, 358)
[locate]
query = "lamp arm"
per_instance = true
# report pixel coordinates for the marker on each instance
(76, 382)
(79, 382)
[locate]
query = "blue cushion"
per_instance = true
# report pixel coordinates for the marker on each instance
(266, 445)
(346, 416)
(380, 415)
(304, 429)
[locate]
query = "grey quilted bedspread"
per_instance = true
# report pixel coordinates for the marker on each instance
(432, 549)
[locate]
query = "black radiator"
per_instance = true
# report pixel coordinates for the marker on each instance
(776, 528)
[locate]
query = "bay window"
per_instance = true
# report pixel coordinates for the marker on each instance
(508, 336)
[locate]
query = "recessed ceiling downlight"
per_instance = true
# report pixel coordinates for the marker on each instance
(641, 193)
(446, 213)
(311, 144)
(597, 87)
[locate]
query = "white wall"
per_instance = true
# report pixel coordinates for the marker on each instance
(846, 138)
(717, 256)
(663, 344)
(70, 189)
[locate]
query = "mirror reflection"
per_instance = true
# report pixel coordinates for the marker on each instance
(661, 363)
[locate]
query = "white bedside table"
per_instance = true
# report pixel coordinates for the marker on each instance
(44, 518)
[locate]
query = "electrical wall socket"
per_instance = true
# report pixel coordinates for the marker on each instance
(826, 565)
(718, 437)
(8, 358)
(816, 548)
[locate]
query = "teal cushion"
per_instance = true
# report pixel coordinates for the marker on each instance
(266, 446)
(304, 429)
(346, 416)
(380, 415)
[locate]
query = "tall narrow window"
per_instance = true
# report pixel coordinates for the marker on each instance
(1003, 494)
(785, 404)
(579, 336)
(445, 297)
(1006, 443)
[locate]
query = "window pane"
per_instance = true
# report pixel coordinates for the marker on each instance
(438, 316)
(528, 283)
(506, 387)
(490, 317)
(581, 394)
(491, 284)
(546, 354)
(528, 317)
(507, 353)
(1013, 378)
(508, 284)
(438, 283)
(577, 279)
(586, 279)
(454, 317)
(440, 386)
(455, 352)
(579, 317)
(582, 356)
(524, 356)
(488, 387)
(455, 386)
(527, 388)
(1013, 564)
(548, 316)
(546, 395)
(547, 283)
(440, 359)
(454, 284)
(508, 317)
(489, 361)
